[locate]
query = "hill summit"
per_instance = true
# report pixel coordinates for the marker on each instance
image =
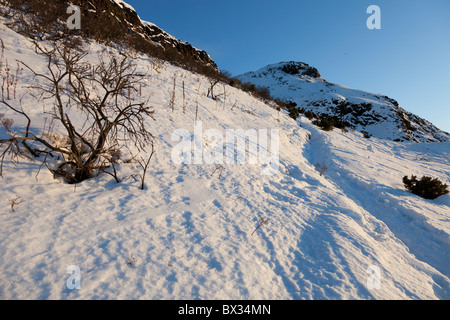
(378, 115)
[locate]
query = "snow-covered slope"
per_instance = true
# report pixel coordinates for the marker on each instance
(158, 36)
(379, 115)
(106, 21)
(188, 235)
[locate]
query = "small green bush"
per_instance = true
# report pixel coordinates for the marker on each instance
(427, 188)
(366, 134)
(310, 115)
(325, 124)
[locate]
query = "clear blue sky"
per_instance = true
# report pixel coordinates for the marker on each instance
(408, 59)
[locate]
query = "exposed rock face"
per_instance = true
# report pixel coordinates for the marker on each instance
(375, 114)
(159, 36)
(300, 68)
(108, 21)
(131, 22)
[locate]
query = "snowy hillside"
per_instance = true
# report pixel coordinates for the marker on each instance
(191, 233)
(149, 30)
(379, 115)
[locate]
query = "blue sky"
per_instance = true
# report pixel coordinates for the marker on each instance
(408, 59)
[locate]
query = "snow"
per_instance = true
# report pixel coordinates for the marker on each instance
(317, 95)
(124, 4)
(166, 35)
(188, 235)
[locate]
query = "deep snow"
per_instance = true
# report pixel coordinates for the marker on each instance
(188, 235)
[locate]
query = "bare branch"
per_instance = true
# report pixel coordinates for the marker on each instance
(96, 107)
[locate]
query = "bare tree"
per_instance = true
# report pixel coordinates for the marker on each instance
(172, 93)
(212, 83)
(224, 95)
(95, 107)
(196, 99)
(184, 99)
(262, 221)
(144, 163)
(13, 202)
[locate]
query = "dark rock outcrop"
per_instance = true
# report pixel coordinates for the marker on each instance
(373, 114)
(131, 23)
(300, 68)
(106, 21)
